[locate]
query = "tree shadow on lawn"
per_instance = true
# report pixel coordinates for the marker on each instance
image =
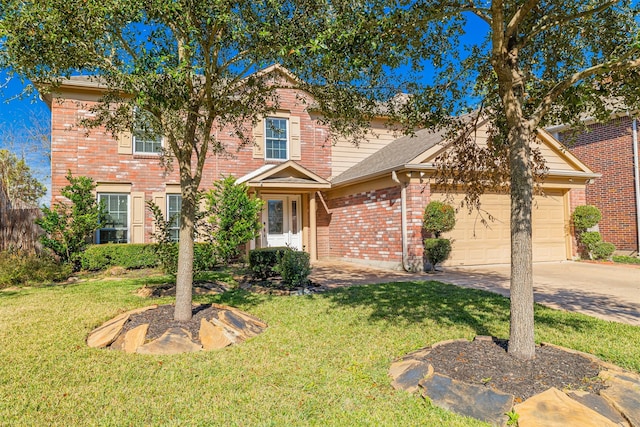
(443, 304)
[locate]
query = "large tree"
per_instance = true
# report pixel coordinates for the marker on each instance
(529, 63)
(188, 67)
(18, 182)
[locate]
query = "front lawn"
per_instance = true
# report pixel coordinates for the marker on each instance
(322, 361)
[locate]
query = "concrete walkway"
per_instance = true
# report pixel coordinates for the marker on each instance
(609, 292)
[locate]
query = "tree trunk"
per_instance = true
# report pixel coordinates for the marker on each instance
(184, 278)
(521, 336)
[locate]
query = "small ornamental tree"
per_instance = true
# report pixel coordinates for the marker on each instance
(438, 218)
(234, 217)
(69, 227)
(585, 217)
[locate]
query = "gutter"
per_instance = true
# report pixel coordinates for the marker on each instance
(403, 215)
(636, 173)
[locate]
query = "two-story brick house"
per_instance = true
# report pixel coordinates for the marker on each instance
(334, 200)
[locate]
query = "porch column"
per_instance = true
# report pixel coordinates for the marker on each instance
(313, 248)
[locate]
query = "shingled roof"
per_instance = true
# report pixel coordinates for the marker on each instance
(395, 155)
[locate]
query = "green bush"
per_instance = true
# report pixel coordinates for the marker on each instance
(436, 251)
(590, 239)
(439, 218)
(20, 270)
(204, 258)
(624, 259)
(263, 260)
(603, 250)
(129, 256)
(585, 217)
(294, 268)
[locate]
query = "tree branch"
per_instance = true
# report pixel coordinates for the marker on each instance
(518, 17)
(552, 95)
(559, 22)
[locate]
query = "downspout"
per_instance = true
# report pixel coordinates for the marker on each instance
(403, 215)
(636, 174)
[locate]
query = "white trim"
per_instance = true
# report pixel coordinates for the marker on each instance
(251, 175)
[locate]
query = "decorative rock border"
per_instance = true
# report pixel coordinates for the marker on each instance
(617, 405)
(225, 326)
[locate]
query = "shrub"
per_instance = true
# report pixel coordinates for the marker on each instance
(294, 268)
(234, 217)
(129, 256)
(590, 239)
(439, 218)
(19, 269)
(603, 250)
(437, 251)
(69, 227)
(263, 260)
(624, 259)
(585, 217)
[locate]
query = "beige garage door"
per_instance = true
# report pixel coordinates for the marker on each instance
(476, 243)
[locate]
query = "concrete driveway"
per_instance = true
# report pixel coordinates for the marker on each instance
(610, 292)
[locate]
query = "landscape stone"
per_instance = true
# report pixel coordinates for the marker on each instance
(118, 343)
(598, 404)
(174, 341)
(407, 374)
(243, 324)
(624, 394)
(106, 333)
(212, 336)
(471, 400)
(241, 313)
(553, 408)
(134, 338)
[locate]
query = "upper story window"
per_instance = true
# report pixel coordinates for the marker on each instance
(145, 140)
(116, 224)
(174, 205)
(276, 138)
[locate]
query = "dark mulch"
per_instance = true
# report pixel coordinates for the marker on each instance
(486, 362)
(161, 319)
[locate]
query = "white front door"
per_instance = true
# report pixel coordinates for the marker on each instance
(282, 221)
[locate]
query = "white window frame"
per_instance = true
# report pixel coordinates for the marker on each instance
(128, 212)
(169, 214)
(158, 139)
(287, 143)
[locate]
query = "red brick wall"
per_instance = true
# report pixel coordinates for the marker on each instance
(418, 196)
(608, 149)
(366, 226)
(96, 154)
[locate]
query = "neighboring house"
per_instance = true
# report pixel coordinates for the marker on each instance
(611, 149)
(336, 201)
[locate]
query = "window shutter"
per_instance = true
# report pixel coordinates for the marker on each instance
(160, 200)
(125, 143)
(258, 140)
(294, 138)
(137, 217)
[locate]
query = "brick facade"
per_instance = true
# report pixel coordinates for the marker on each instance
(367, 226)
(95, 153)
(608, 149)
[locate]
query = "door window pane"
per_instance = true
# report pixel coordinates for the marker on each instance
(294, 217)
(276, 217)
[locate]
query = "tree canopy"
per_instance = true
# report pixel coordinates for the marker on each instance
(18, 182)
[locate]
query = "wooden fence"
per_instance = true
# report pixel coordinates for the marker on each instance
(19, 231)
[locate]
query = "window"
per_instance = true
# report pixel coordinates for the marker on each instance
(276, 138)
(116, 223)
(174, 204)
(145, 140)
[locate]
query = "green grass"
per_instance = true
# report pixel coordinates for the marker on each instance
(322, 361)
(624, 259)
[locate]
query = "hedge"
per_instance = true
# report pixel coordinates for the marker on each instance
(129, 256)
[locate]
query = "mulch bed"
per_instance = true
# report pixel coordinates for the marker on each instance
(161, 319)
(486, 362)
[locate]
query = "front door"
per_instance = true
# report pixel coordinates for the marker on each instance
(282, 220)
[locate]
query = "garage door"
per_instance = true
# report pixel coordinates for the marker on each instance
(475, 243)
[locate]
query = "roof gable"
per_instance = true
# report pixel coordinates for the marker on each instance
(284, 175)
